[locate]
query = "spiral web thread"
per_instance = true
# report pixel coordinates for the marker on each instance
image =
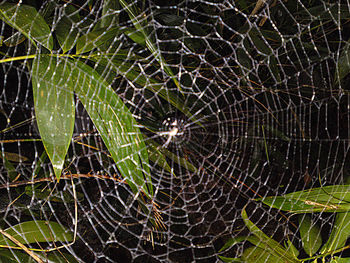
(269, 111)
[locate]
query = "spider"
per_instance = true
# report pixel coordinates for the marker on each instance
(174, 128)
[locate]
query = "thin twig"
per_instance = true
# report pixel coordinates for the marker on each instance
(14, 240)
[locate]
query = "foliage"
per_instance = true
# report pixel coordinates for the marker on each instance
(324, 199)
(66, 60)
(54, 88)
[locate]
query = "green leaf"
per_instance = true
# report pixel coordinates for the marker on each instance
(310, 235)
(39, 164)
(233, 241)
(54, 107)
(267, 243)
(140, 27)
(340, 233)
(292, 249)
(53, 196)
(334, 198)
(180, 160)
(343, 64)
(28, 21)
(116, 125)
(108, 16)
(66, 32)
(340, 260)
(259, 255)
(15, 256)
(96, 38)
(136, 36)
(35, 232)
(273, 67)
(14, 157)
(158, 158)
(259, 41)
(10, 169)
(129, 71)
(14, 40)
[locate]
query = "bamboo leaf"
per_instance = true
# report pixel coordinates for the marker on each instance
(66, 32)
(36, 232)
(343, 64)
(10, 169)
(140, 27)
(180, 160)
(15, 256)
(259, 255)
(231, 242)
(340, 233)
(28, 21)
(95, 39)
(334, 198)
(292, 249)
(129, 71)
(54, 107)
(340, 260)
(310, 235)
(270, 245)
(158, 158)
(116, 126)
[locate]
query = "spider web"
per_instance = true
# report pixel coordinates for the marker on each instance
(267, 93)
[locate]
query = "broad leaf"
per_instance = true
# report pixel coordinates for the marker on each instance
(28, 21)
(291, 248)
(333, 198)
(54, 107)
(133, 74)
(310, 235)
(96, 38)
(343, 64)
(15, 256)
(116, 125)
(259, 255)
(66, 31)
(35, 232)
(164, 152)
(140, 27)
(108, 16)
(10, 169)
(156, 156)
(340, 260)
(53, 196)
(340, 233)
(267, 243)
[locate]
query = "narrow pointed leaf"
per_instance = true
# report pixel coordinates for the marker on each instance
(292, 249)
(179, 160)
(28, 21)
(116, 126)
(340, 260)
(36, 231)
(310, 235)
(140, 27)
(128, 70)
(268, 243)
(340, 233)
(334, 198)
(259, 255)
(54, 107)
(343, 64)
(66, 31)
(96, 38)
